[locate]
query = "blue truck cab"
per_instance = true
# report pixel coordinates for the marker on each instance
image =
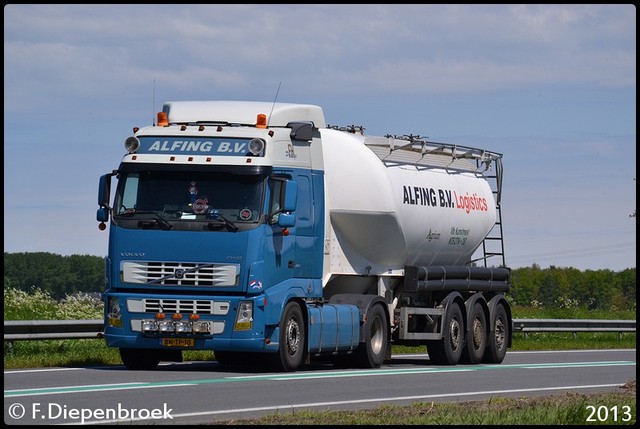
(216, 237)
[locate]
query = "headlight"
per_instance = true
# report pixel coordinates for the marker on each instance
(149, 326)
(166, 326)
(114, 315)
(183, 326)
(244, 318)
(201, 327)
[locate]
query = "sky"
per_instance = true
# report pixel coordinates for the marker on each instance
(551, 87)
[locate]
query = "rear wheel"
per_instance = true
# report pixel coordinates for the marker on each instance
(140, 358)
(292, 339)
(476, 337)
(370, 353)
(448, 350)
(498, 339)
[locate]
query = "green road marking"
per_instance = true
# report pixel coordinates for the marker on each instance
(301, 376)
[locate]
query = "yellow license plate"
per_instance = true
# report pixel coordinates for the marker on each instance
(178, 342)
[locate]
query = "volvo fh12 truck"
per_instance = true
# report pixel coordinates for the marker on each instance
(255, 230)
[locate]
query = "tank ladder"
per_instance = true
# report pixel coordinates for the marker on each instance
(493, 244)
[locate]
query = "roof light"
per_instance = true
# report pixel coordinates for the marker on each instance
(131, 144)
(163, 120)
(256, 146)
(261, 121)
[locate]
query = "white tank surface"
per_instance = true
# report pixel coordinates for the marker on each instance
(391, 207)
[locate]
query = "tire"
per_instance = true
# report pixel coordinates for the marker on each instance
(448, 350)
(140, 358)
(498, 338)
(371, 352)
(293, 337)
(476, 340)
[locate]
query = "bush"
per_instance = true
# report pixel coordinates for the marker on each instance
(39, 305)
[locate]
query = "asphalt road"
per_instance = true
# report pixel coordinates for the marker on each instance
(203, 392)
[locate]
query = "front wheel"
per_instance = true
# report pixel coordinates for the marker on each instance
(292, 339)
(371, 353)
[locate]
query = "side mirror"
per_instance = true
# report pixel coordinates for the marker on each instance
(290, 196)
(286, 220)
(104, 190)
(104, 195)
(102, 215)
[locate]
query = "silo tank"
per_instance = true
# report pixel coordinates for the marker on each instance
(396, 214)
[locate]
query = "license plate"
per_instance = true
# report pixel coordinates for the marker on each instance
(178, 342)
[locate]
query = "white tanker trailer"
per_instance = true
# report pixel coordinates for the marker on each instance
(254, 229)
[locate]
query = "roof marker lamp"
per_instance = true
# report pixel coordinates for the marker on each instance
(261, 120)
(131, 144)
(163, 119)
(256, 146)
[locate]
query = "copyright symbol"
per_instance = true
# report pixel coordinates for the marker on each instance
(16, 411)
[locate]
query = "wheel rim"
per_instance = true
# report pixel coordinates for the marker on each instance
(478, 333)
(500, 334)
(293, 337)
(377, 336)
(454, 338)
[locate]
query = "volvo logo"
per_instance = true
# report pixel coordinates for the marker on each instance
(178, 273)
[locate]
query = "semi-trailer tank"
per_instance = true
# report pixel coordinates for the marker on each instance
(257, 231)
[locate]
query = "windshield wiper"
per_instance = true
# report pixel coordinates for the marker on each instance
(158, 219)
(225, 222)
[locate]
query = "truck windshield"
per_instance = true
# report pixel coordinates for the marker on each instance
(174, 198)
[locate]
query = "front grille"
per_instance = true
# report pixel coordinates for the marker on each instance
(180, 273)
(186, 306)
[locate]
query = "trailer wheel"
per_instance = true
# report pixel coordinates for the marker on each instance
(497, 346)
(139, 358)
(448, 350)
(370, 353)
(293, 336)
(476, 343)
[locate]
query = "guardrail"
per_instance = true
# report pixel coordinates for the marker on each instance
(573, 325)
(52, 329)
(74, 329)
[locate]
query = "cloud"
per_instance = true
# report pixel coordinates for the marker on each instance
(97, 50)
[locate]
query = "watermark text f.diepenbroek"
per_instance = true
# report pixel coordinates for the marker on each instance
(55, 411)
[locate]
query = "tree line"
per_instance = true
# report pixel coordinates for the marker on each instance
(551, 287)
